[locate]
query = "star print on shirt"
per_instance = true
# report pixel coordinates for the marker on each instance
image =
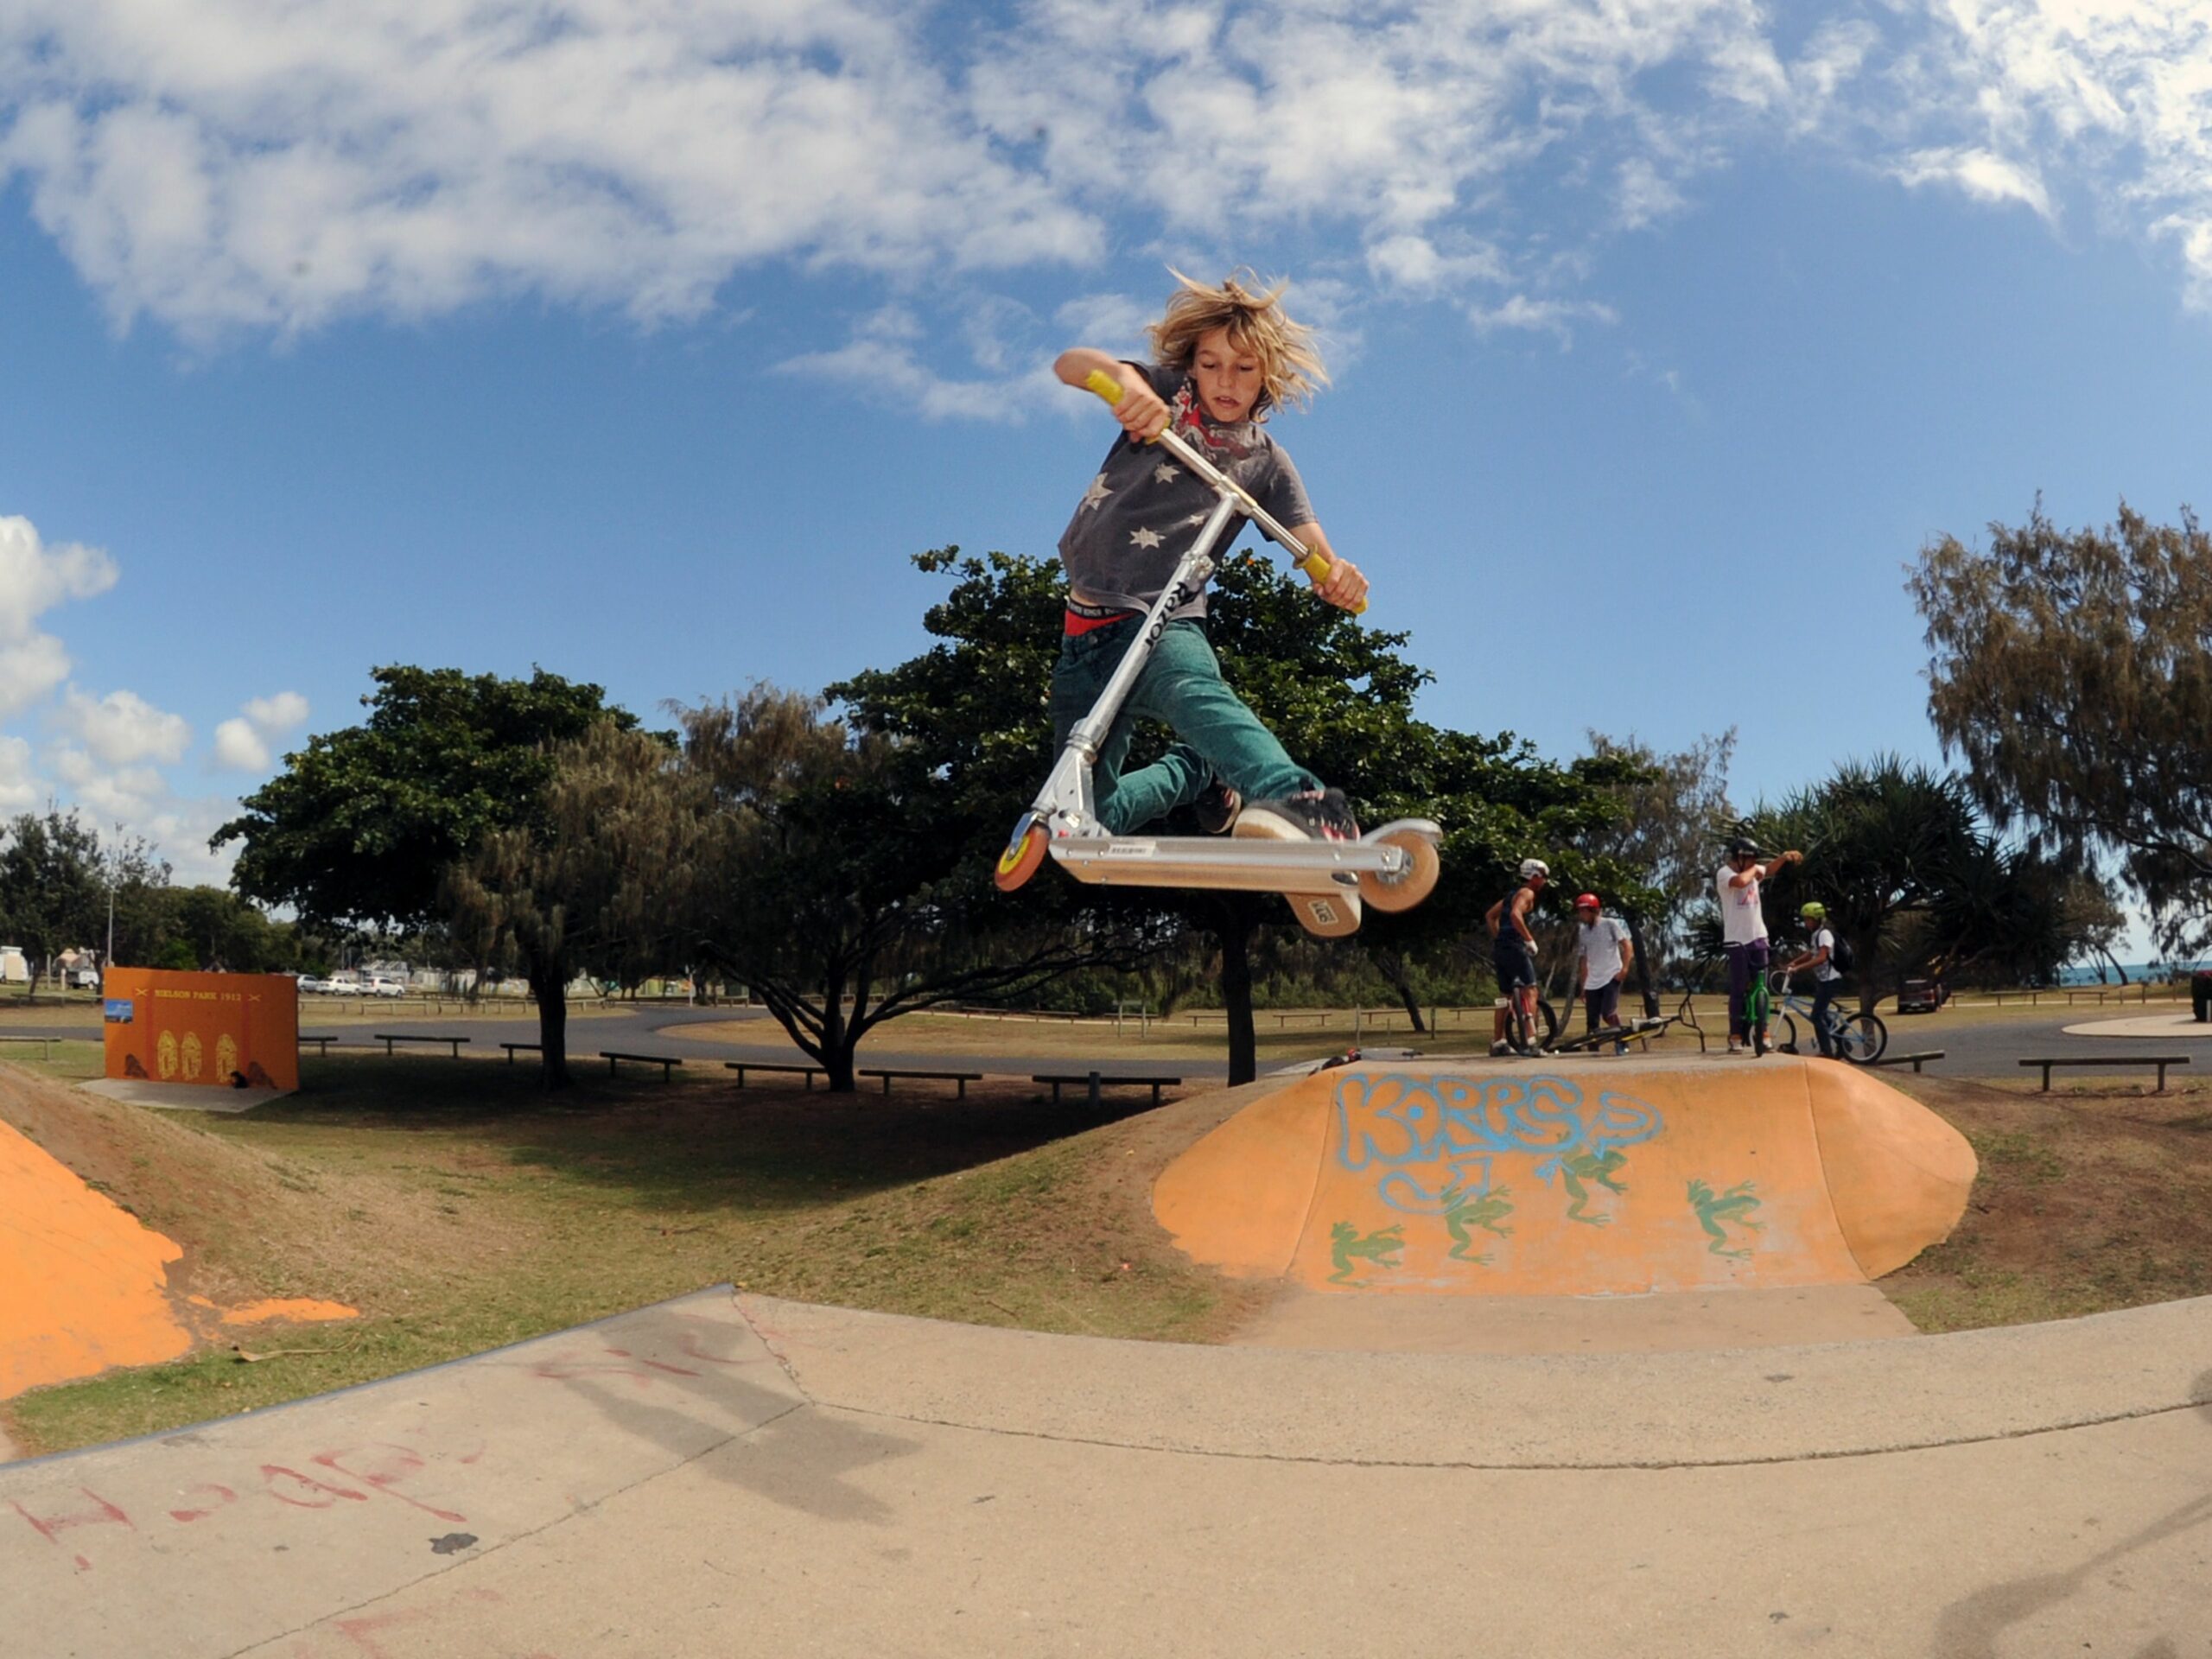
(1163, 474)
(1097, 493)
(1195, 518)
(1144, 537)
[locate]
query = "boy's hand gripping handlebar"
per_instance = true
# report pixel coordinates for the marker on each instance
(1315, 565)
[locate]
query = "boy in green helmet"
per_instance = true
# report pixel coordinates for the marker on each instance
(1819, 954)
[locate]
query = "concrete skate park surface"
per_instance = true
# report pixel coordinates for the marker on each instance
(2144, 1025)
(723, 1474)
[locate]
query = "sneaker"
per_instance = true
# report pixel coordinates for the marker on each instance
(1312, 815)
(1735, 1047)
(1499, 1049)
(1218, 807)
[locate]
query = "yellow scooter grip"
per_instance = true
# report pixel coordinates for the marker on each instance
(1104, 384)
(1316, 566)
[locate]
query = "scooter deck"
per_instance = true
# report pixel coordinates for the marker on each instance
(1290, 867)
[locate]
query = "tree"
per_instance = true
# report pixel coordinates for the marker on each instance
(2069, 668)
(362, 827)
(1339, 694)
(591, 882)
(834, 883)
(1911, 876)
(1672, 820)
(52, 885)
(225, 931)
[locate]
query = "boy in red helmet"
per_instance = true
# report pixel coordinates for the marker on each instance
(1603, 954)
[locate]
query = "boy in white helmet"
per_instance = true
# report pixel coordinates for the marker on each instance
(1513, 955)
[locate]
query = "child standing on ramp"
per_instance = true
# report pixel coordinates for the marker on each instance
(1224, 360)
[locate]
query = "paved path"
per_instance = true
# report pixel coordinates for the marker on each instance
(718, 1475)
(1993, 1048)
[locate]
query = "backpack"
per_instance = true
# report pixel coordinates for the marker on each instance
(1840, 953)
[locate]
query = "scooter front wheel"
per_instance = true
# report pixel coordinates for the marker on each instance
(1404, 891)
(1022, 856)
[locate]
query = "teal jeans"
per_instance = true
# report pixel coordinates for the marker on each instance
(1181, 687)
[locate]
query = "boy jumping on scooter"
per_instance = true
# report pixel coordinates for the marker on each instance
(1225, 359)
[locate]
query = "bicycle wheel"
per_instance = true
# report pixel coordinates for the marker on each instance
(1862, 1037)
(1789, 1043)
(1548, 1020)
(1758, 1006)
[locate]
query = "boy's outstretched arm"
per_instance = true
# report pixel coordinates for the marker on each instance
(1344, 587)
(1140, 412)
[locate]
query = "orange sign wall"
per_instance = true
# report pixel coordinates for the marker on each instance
(210, 1028)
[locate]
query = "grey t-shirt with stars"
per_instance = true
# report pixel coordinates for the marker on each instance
(1140, 514)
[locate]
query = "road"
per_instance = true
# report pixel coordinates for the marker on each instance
(1992, 1048)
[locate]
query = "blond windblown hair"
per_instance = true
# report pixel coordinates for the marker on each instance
(1290, 367)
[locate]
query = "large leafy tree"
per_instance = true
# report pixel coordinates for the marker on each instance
(53, 885)
(834, 879)
(362, 827)
(1338, 694)
(593, 882)
(1911, 877)
(2073, 670)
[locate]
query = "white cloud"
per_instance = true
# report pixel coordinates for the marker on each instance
(34, 578)
(123, 727)
(1554, 317)
(1980, 173)
(239, 747)
(223, 165)
(883, 361)
(246, 742)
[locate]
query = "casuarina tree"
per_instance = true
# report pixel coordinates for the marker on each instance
(2073, 670)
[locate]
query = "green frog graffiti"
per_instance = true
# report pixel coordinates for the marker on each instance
(1717, 1212)
(1347, 1248)
(1466, 1210)
(1599, 1167)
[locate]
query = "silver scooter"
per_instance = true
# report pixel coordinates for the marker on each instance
(1393, 867)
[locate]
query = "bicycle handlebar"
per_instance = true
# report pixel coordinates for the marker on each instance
(1315, 565)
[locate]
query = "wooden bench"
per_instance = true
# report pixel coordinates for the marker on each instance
(1094, 1081)
(534, 1048)
(743, 1066)
(1916, 1061)
(668, 1063)
(45, 1044)
(2162, 1061)
(961, 1078)
(388, 1038)
(321, 1045)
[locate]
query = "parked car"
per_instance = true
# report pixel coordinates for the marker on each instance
(346, 985)
(379, 986)
(1919, 996)
(82, 979)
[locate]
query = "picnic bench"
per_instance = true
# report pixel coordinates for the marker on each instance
(512, 1048)
(321, 1045)
(1916, 1061)
(388, 1038)
(1094, 1081)
(961, 1078)
(2162, 1061)
(45, 1044)
(668, 1063)
(743, 1066)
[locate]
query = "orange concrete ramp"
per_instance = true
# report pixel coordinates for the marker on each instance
(1576, 1178)
(83, 1285)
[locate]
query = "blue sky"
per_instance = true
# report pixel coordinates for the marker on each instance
(645, 341)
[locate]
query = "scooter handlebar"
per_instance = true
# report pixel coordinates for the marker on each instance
(1315, 565)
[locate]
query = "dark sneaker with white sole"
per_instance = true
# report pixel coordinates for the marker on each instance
(1312, 815)
(1218, 807)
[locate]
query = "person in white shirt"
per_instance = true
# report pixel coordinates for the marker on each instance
(1819, 954)
(1743, 928)
(1602, 957)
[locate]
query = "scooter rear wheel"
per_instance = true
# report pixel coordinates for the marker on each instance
(1022, 856)
(1393, 893)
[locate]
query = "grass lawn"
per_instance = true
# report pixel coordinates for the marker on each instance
(2093, 1197)
(458, 1209)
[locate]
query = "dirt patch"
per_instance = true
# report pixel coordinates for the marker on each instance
(2090, 1199)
